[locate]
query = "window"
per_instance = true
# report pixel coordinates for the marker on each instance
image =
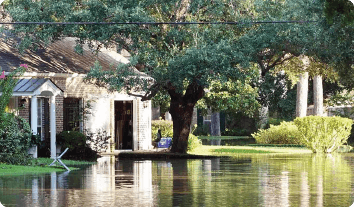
(39, 117)
(72, 114)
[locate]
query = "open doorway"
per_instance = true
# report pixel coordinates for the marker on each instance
(123, 124)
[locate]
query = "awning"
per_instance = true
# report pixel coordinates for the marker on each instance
(36, 87)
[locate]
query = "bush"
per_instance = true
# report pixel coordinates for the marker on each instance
(77, 144)
(275, 121)
(235, 132)
(202, 130)
(193, 142)
(15, 139)
(285, 133)
(165, 126)
(323, 134)
(98, 141)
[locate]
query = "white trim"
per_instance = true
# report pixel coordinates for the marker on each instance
(59, 75)
(135, 125)
(46, 86)
(53, 148)
(34, 114)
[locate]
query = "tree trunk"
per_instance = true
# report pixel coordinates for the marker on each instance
(215, 128)
(263, 117)
(317, 96)
(182, 117)
(301, 97)
(181, 110)
(215, 124)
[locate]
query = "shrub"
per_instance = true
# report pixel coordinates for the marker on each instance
(98, 141)
(202, 130)
(15, 139)
(165, 126)
(323, 134)
(193, 142)
(77, 144)
(235, 132)
(285, 133)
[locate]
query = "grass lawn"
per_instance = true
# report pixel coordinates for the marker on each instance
(224, 137)
(40, 165)
(236, 150)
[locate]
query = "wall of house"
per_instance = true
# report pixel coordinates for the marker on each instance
(59, 103)
(144, 124)
(102, 110)
(100, 114)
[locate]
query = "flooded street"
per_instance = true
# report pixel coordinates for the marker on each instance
(249, 180)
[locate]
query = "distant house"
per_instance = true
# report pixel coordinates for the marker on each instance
(52, 93)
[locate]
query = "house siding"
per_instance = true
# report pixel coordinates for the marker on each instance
(144, 125)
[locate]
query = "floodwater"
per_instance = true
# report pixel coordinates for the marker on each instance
(249, 180)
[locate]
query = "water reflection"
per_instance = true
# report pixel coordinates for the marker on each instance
(260, 180)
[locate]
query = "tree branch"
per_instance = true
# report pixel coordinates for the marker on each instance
(148, 95)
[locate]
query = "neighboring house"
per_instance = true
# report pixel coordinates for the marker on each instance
(52, 93)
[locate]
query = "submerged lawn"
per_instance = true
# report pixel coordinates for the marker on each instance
(236, 150)
(40, 165)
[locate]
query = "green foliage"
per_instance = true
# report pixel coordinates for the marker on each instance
(277, 92)
(193, 142)
(202, 130)
(165, 126)
(15, 133)
(323, 134)
(15, 139)
(6, 87)
(77, 144)
(339, 10)
(238, 124)
(162, 100)
(235, 132)
(232, 96)
(285, 133)
(275, 121)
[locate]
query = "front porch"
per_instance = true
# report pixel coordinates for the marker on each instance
(36, 90)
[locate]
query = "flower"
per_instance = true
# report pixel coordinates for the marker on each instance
(24, 65)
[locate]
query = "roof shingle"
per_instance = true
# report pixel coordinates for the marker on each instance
(59, 57)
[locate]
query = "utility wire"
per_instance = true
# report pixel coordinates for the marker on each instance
(157, 23)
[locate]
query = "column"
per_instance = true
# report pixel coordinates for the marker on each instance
(33, 149)
(34, 114)
(53, 148)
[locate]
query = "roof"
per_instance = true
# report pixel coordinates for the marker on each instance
(33, 86)
(28, 85)
(59, 57)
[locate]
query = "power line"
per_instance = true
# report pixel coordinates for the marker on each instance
(156, 23)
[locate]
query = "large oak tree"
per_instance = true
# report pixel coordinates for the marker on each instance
(182, 60)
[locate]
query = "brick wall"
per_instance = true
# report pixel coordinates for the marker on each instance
(77, 88)
(59, 103)
(24, 111)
